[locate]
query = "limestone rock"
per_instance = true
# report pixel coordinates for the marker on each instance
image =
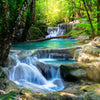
(83, 58)
(89, 49)
(96, 42)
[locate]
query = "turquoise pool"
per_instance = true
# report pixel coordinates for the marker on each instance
(55, 43)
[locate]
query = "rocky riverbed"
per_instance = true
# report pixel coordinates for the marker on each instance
(81, 79)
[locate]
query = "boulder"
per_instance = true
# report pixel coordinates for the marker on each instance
(77, 71)
(82, 57)
(35, 33)
(73, 72)
(42, 26)
(89, 49)
(96, 42)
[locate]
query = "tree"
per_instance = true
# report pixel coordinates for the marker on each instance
(7, 36)
(93, 33)
(30, 19)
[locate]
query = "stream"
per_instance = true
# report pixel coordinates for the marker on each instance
(39, 69)
(36, 65)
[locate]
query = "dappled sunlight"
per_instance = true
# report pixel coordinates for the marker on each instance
(97, 91)
(69, 94)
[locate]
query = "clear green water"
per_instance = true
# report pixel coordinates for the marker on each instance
(59, 43)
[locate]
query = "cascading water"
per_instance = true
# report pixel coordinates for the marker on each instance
(26, 74)
(62, 29)
(76, 54)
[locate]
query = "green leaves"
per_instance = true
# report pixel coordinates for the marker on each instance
(9, 96)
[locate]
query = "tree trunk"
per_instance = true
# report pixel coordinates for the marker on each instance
(31, 19)
(4, 34)
(29, 22)
(34, 15)
(6, 37)
(98, 18)
(93, 33)
(79, 12)
(26, 28)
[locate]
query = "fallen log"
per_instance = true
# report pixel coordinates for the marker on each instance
(62, 36)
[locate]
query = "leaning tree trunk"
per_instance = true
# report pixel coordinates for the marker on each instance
(98, 18)
(93, 33)
(6, 38)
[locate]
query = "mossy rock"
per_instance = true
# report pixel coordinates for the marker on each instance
(35, 33)
(28, 95)
(6, 84)
(73, 72)
(2, 73)
(42, 26)
(88, 92)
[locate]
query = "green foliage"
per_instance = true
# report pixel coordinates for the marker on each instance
(9, 96)
(2, 74)
(53, 12)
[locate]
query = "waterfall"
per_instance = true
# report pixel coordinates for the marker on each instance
(26, 74)
(62, 29)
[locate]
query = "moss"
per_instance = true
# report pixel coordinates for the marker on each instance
(2, 73)
(90, 87)
(6, 84)
(42, 26)
(10, 85)
(35, 33)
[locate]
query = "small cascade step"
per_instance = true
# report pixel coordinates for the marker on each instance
(56, 53)
(59, 56)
